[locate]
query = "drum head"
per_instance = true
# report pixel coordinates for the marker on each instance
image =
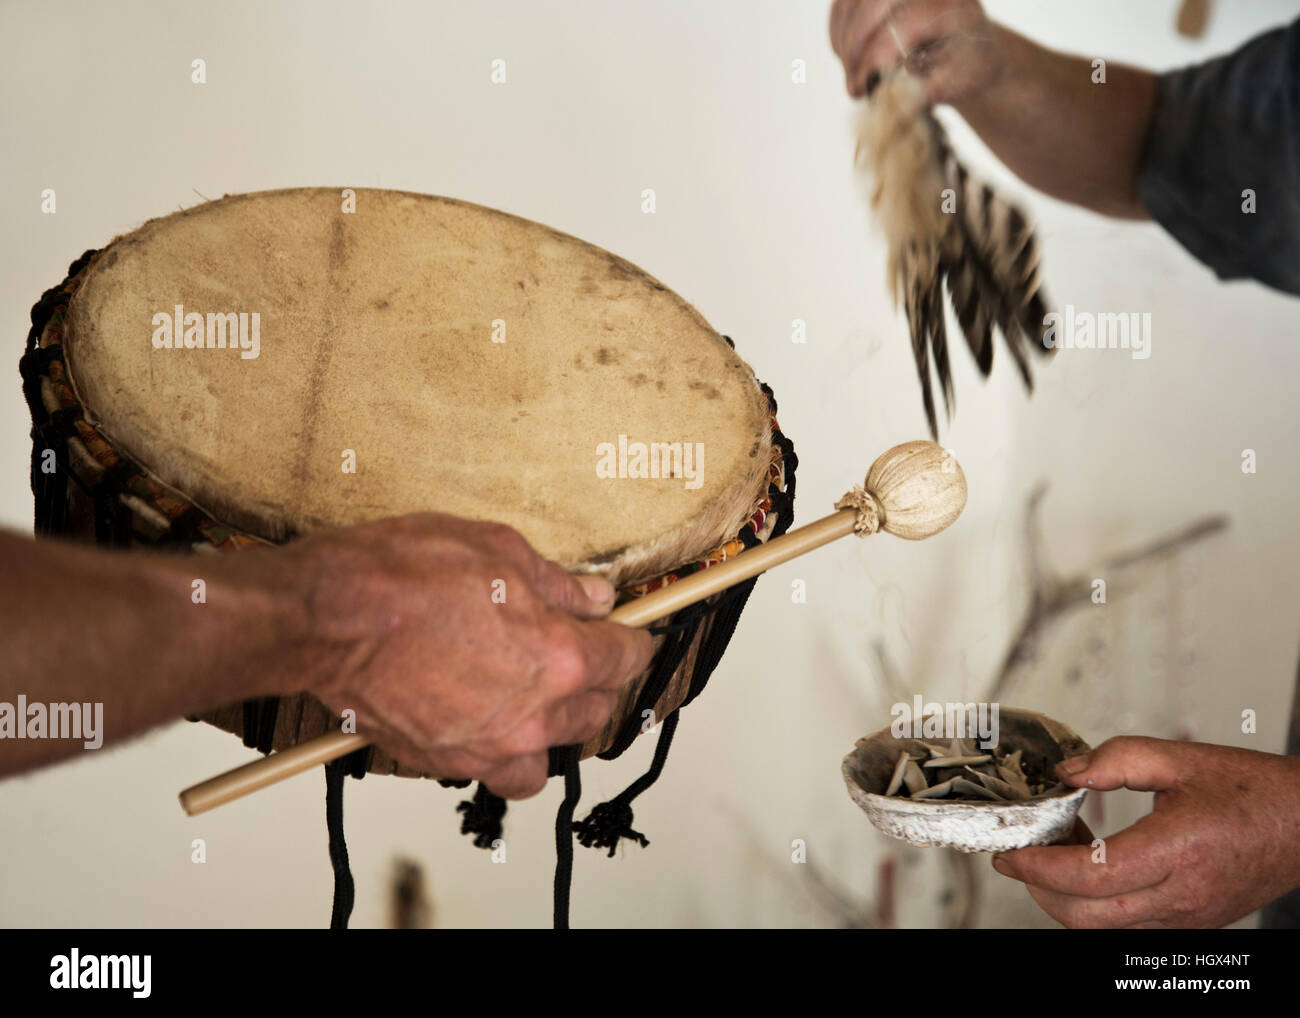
(417, 354)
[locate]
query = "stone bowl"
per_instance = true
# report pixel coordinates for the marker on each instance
(971, 825)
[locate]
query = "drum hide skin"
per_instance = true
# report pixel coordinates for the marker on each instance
(376, 341)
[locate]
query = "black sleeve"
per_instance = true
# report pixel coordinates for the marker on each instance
(1222, 129)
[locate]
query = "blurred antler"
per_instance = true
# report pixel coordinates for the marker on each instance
(1052, 596)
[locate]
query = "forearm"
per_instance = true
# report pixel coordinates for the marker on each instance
(1058, 131)
(127, 630)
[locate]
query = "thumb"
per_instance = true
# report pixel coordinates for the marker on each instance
(1128, 761)
(586, 597)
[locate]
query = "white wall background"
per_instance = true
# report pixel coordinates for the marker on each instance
(758, 223)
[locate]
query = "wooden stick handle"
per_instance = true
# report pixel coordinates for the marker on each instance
(663, 602)
(907, 492)
(267, 770)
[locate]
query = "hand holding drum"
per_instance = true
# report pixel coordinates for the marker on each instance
(913, 491)
(459, 648)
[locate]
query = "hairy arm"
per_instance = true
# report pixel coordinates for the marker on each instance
(1038, 110)
(395, 620)
(85, 626)
(1059, 132)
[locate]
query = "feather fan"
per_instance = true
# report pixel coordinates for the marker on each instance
(981, 246)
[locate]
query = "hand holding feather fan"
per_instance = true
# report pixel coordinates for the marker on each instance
(981, 246)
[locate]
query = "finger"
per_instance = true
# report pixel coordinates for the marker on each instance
(914, 33)
(455, 764)
(1053, 866)
(621, 654)
(839, 12)
(430, 765)
(578, 718)
(1128, 761)
(864, 22)
(890, 43)
(460, 763)
(587, 597)
(519, 778)
(863, 54)
(572, 720)
(1143, 908)
(594, 655)
(925, 26)
(1137, 858)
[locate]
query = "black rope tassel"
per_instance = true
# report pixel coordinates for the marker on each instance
(569, 757)
(482, 816)
(611, 821)
(344, 890)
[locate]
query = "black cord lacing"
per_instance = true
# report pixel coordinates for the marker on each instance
(49, 431)
(569, 757)
(344, 889)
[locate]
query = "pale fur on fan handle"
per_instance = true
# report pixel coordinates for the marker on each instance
(941, 224)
